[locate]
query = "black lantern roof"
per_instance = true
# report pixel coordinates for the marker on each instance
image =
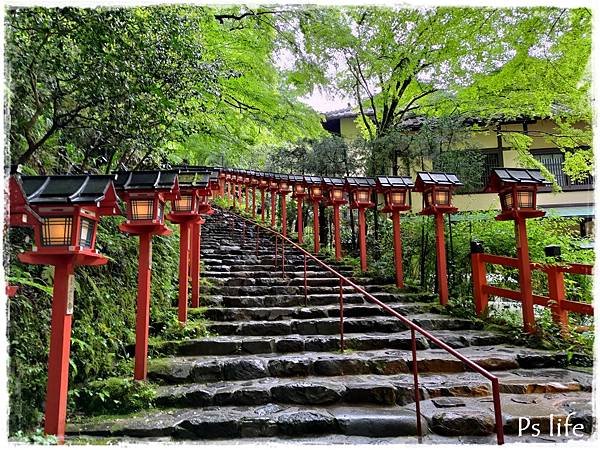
(334, 182)
(67, 189)
(147, 179)
(192, 179)
(312, 180)
(296, 178)
(502, 176)
(436, 179)
(387, 183)
(360, 182)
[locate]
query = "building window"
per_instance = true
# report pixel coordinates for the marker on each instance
(491, 160)
(553, 161)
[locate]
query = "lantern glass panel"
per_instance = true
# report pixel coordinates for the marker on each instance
(507, 200)
(397, 198)
(283, 186)
(203, 199)
(316, 191)
(428, 198)
(142, 209)
(362, 196)
(86, 233)
(338, 194)
(56, 231)
(184, 204)
(442, 197)
(525, 199)
(299, 189)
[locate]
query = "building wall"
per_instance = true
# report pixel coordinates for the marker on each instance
(488, 140)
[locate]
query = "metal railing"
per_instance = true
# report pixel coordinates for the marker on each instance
(280, 243)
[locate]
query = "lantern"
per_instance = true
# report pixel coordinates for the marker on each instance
(315, 191)
(517, 189)
(334, 188)
(70, 207)
(437, 188)
(395, 190)
(360, 189)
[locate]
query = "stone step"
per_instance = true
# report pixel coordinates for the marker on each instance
(286, 300)
(246, 279)
(312, 312)
(285, 289)
(255, 421)
(458, 416)
(381, 323)
(382, 362)
(294, 343)
(368, 389)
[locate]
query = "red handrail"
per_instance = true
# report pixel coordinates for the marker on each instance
(410, 324)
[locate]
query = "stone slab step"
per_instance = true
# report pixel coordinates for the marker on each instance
(287, 289)
(325, 326)
(474, 416)
(311, 312)
(243, 300)
(377, 362)
(293, 343)
(368, 389)
(256, 421)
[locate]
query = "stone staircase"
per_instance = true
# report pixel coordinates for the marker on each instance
(273, 370)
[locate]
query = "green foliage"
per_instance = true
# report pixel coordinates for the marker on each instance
(103, 321)
(114, 396)
(37, 437)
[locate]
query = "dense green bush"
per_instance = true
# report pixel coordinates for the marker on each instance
(114, 395)
(103, 321)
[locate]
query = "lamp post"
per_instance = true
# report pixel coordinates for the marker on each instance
(228, 181)
(360, 189)
(253, 184)
(205, 190)
(284, 190)
(185, 213)
(273, 189)
(299, 193)
(246, 187)
(315, 191)
(145, 194)
(263, 185)
(395, 191)
(517, 189)
(336, 197)
(70, 208)
(437, 189)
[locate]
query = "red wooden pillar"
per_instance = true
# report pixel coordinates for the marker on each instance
(337, 231)
(253, 202)
(273, 208)
(525, 274)
(556, 291)
(283, 214)
(300, 222)
(195, 264)
(317, 246)
(397, 248)
(440, 250)
(262, 205)
(142, 320)
(234, 194)
(479, 282)
(246, 195)
(362, 238)
(184, 261)
(60, 348)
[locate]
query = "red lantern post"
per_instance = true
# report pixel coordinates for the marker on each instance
(284, 190)
(517, 189)
(360, 189)
(437, 189)
(299, 193)
(145, 194)
(70, 207)
(246, 187)
(395, 191)
(185, 212)
(253, 184)
(315, 191)
(273, 189)
(335, 193)
(263, 185)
